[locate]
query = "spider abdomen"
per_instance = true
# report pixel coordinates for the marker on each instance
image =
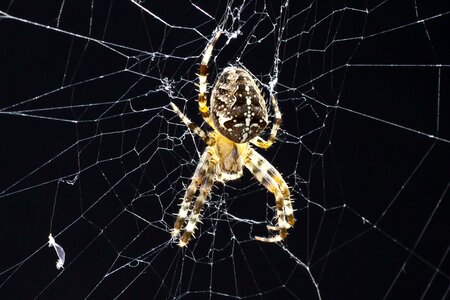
(238, 109)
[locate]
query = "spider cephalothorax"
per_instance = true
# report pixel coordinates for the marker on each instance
(238, 116)
(238, 109)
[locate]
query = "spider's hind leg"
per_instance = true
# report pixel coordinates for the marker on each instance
(260, 142)
(202, 79)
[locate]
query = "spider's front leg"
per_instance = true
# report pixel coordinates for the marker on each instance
(268, 176)
(203, 178)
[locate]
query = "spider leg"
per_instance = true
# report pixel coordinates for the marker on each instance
(268, 176)
(205, 189)
(275, 175)
(260, 142)
(197, 179)
(191, 125)
(202, 77)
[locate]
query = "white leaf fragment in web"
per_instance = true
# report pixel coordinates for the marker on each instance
(59, 251)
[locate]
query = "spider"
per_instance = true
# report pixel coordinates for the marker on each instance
(238, 116)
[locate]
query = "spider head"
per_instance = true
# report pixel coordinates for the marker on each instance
(238, 108)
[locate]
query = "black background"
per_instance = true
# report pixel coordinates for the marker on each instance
(90, 152)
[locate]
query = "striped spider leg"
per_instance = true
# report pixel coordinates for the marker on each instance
(271, 179)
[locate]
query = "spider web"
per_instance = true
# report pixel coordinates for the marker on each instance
(92, 154)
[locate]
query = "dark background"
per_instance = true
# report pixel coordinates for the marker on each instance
(90, 152)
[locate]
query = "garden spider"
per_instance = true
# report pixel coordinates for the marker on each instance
(238, 115)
